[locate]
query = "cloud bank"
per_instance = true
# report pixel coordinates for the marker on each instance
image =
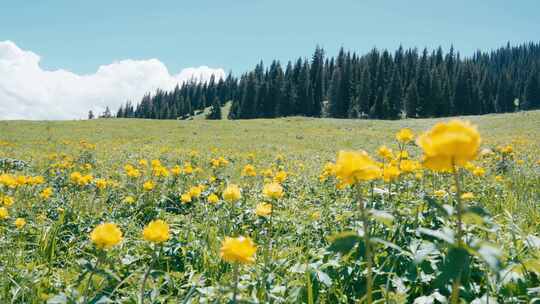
(29, 92)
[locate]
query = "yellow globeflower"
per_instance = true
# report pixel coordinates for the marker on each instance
(280, 176)
(148, 185)
(106, 235)
(385, 152)
(273, 190)
(249, 170)
(156, 231)
(408, 166)
(19, 223)
(263, 209)
(46, 193)
(213, 199)
(232, 193)
(405, 135)
(449, 144)
(185, 198)
(440, 193)
(3, 213)
(356, 166)
(7, 200)
(479, 171)
(238, 250)
(129, 199)
(467, 196)
(390, 173)
(195, 191)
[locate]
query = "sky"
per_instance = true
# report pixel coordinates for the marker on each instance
(60, 58)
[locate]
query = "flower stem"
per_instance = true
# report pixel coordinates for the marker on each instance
(459, 235)
(145, 277)
(236, 279)
(365, 222)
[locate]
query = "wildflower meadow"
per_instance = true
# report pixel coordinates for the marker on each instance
(291, 210)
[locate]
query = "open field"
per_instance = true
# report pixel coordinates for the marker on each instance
(310, 248)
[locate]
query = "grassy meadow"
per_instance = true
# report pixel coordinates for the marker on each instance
(427, 240)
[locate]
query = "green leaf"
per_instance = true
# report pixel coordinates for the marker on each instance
(456, 264)
(344, 242)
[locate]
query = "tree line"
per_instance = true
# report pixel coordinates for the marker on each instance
(378, 85)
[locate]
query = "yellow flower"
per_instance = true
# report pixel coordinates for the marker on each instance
(479, 171)
(129, 199)
(390, 173)
(449, 144)
(402, 155)
(148, 185)
(101, 183)
(185, 198)
(213, 199)
(232, 193)
(3, 213)
(273, 190)
(467, 196)
(106, 235)
(506, 149)
(405, 135)
(195, 191)
(408, 166)
(156, 231)
(520, 161)
(19, 223)
(440, 193)
(263, 209)
(7, 200)
(356, 166)
(280, 176)
(46, 193)
(143, 163)
(385, 152)
(499, 178)
(176, 170)
(315, 215)
(418, 175)
(238, 250)
(249, 170)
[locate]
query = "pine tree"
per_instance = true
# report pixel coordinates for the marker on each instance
(215, 110)
(411, 101)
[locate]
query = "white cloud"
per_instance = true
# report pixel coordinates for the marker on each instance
(29, 92)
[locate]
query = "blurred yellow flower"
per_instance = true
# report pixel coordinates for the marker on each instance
(405, 135)
(195, 191)
(7, 200)
(249, 170)
(46, 193)
(128, 199)
(232, 193)
(385, 152)
(238, 250)
(280, 176)
(440, 193)
(479, 171)
(185, 198)
(106, 235)
(390, 173)
(263, 209)
(273, 190)
(467, 196)
(156, 231)
(148, 185)
(213, 199)
(449, 144)
(3, 213)
(20, 222)
(356, 166)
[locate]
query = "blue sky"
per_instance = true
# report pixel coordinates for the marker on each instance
(235, 34)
